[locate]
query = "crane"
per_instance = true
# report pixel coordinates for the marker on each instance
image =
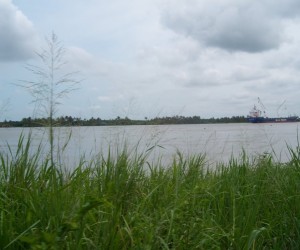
(280, 107)
(262, 106)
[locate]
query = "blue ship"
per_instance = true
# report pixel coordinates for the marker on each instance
(257, 116)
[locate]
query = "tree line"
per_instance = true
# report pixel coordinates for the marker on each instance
(77, 121)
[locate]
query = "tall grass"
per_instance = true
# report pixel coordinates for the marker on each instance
(124, 202)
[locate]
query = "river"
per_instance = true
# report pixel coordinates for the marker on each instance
(218, 141)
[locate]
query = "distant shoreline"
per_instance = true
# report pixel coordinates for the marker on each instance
(67, 121)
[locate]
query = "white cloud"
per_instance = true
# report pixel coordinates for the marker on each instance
(18, 37)
(112, 98)
(207, 58)
(233, 25)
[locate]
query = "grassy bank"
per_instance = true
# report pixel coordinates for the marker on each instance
(124, 202)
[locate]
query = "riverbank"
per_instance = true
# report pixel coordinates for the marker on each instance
(125, 202)
(68, 121)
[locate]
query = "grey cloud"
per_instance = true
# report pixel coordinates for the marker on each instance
(284, 8)
(244, 74)
(250, 26)
(17, 34)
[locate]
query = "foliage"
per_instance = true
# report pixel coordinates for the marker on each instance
(77, 121)
(125, 202)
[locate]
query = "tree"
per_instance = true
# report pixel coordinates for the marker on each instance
(51, 85)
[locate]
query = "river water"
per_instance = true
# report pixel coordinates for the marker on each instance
(218, 141)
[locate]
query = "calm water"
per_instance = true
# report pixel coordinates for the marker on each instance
(218, 141)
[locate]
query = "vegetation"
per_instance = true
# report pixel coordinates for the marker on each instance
(126, 202)
(75, 121)
(52, 84)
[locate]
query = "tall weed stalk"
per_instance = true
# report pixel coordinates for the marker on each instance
(51, 85)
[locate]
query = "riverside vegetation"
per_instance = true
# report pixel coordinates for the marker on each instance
(126, 202)
(76, 121)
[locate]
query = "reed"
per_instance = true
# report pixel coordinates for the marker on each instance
(125, 202)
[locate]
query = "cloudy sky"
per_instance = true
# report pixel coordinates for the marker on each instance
(147, 58)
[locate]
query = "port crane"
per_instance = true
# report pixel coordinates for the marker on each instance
(280, 107)
(262, 106)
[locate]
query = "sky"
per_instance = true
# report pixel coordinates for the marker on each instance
(149, 58)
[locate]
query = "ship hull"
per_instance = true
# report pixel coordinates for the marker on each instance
(273, 120)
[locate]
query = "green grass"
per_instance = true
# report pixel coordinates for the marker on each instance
(125, 202)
